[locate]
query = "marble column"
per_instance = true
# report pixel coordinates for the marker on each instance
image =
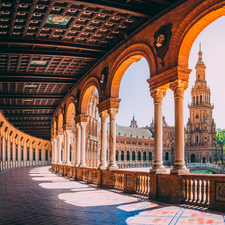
(158, 95)
(31, 155)
(36, 155)
(59, 146)
(19, 154)
(112, 137)
(13, 153)
(43, 155)
(83, 144)
(78, 145)
(103, 164)
(178, 88)
(3, 153)
(67, 147)
(8, 153)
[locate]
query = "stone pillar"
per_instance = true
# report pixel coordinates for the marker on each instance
(83, 144)
(43, 155)
(3, 153)
(14, 153)
(158, 95)
(112, 137)
(178, 88)
(96, 155)
(36, 155)
(59, 146)
(103, 164)
(8, 153)
(24, 154)
(19, 154)
(78, 145)
(67, 147)
(31, 155)
(91, 153)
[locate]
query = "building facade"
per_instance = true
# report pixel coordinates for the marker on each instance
(201, 128)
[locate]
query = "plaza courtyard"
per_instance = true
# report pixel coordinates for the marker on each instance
(35, 195)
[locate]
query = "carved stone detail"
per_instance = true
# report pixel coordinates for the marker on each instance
(178, 87)
(158, 95)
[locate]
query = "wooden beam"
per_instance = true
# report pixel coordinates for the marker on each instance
(77, 55)
(53, 44)
(27, 107)
(30, 96)
(28, 115)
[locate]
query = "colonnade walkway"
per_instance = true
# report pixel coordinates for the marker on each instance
(34, 195)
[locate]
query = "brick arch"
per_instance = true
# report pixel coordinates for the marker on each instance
(196, 21)
(70, 106)
(89, 86)
(131, 54)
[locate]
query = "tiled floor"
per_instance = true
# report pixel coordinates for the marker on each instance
(34, 195)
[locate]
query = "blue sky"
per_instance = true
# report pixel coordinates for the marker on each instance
(134, 90)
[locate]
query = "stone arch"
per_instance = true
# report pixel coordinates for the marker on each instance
(196, 21)
(90, 85)
(128, 155)
(131, 54)
(144, 156)
(117, 155)
(122, 155)
(133, 155)
(70, 109)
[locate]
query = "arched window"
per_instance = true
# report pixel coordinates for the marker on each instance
(133, 156)
(150, 156)
(144, 156)
(139, 156)
(117, 153)
(128, 156)
(167, 155)
(122, 155)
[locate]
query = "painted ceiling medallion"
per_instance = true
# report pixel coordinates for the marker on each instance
(58, 20)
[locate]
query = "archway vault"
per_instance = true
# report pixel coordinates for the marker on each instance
(197, 22)
(131, 54)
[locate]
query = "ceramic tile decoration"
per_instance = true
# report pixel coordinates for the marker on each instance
(58, 20)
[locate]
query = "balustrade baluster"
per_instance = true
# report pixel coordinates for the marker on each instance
(198, 191)
(142, 185)
(203, 192)
(190, 190)
(207, 192)
(144, 179)
(194, 190)
(186, 189)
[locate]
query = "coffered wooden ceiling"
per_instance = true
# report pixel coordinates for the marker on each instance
(47, 46)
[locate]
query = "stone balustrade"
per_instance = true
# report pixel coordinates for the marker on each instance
(198, 190)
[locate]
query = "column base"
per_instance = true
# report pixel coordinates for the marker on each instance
(103, 166)
(179, 170)
(112, 166)
(82, 165)
(158, 170)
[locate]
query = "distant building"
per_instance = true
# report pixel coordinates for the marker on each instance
(200, 134)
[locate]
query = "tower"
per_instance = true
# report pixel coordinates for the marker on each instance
(201, 129)
(133, 123)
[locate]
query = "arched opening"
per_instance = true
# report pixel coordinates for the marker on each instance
(133, 156)
(139, 156)
(167, 156)
(90, 100)
(192, 158)
(144, 156)
(117, 154)
(150, 156)
(122, 155)
(128, 156)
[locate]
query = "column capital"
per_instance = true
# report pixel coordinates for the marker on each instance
(103, 115)
(81, 118)
(112, 113)
(158, 94)
(67, 127)
(108, 103)
(178, 87)
(83, 125)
